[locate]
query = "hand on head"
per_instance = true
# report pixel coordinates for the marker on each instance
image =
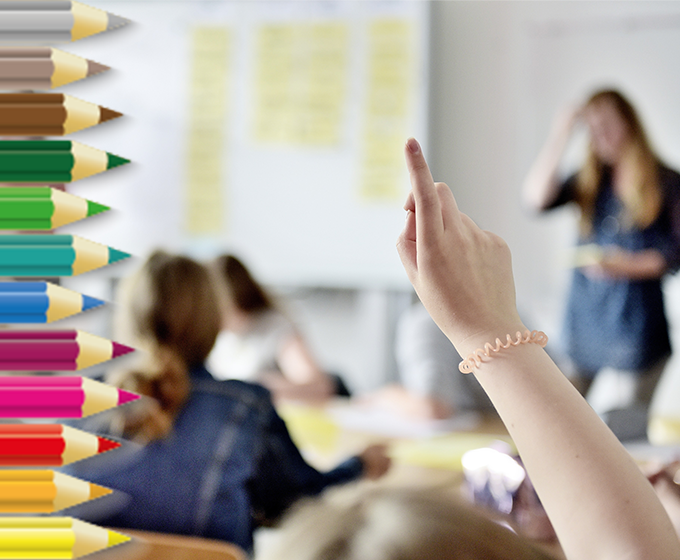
(569, 116)
(462, 274)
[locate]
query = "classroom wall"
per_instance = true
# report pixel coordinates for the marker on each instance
(488, 118)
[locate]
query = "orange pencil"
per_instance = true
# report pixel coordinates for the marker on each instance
(43, 491)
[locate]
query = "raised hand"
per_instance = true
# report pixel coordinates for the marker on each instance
(462, 274)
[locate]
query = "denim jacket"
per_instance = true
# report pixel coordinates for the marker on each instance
(228, 461)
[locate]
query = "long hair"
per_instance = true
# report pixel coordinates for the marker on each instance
(243, 289)
(384, 523)
(640, 193)
(168, 309)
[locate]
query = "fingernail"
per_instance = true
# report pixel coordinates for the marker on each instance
(413, 146)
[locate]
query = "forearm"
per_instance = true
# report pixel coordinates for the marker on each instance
(542, 182)
(319, 389)
(600, 504)
(580, 470)
(649, 264)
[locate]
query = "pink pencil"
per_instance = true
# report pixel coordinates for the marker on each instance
(67, 350)
(57, 397)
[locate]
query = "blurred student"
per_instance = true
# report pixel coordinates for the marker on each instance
(430, 386)
(629, 239)
(599, 502)
(258, 343)
(215, 458)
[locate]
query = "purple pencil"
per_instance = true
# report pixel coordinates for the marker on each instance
(68, 350)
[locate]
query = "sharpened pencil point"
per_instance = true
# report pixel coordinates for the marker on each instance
(90, 302)
(115, 161)
(120, 350)
(95, 208)
(95, 68)
(115, 255)
(108, 114)
(117, 538)
(106, 445)
(97, 491)
(116, 21)
(125, 397)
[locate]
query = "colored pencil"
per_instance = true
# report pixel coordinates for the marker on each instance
(42, 208)
(46, 538)
(48, 445)
(43, 491)
(41, 68)
(48, 114)
(46, 255)
(57, 397)
(42, 22)
(52, 161)
(66, 350)
(40, 302)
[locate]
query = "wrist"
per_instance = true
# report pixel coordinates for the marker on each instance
(477, 339)
(491, 349)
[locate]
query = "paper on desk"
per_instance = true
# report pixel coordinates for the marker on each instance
(442, 452)
(385, 423)
(310, 427)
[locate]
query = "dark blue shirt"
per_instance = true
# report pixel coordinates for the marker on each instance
(621, 323)
(228, 461)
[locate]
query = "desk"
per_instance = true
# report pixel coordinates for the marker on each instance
(147, 545)
(328, 434)
(433, 460)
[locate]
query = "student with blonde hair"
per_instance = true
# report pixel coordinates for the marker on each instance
(214, 459)
(599, 502)
(629, 238)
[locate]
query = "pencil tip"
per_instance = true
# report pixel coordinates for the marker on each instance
(108, 114)
(95, 68)
(115, 161)
(95, 208)
(115, 255)
(125, 397)
(116, 21)
(90, 302)
(106, 445)
(120, 350)
(97, 491)
(117, 538)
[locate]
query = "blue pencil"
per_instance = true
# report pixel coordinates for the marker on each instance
(40, 302)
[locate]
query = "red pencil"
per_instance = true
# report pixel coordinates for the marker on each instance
(48, 445)
(67, 350)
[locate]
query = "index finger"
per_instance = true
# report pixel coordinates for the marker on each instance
(428, 208)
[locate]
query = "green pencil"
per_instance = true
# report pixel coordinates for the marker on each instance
(53, 255)
(42, 208)
(52, 161)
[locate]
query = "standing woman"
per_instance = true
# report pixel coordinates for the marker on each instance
(629, 239)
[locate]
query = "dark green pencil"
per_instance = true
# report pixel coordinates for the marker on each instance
(52, 161)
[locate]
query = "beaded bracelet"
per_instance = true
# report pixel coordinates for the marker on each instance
(475, 359)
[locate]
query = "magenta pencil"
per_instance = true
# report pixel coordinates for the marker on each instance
(55, 350)
(57, 397)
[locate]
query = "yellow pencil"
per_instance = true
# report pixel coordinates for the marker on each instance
(43, 491)
(45, 538)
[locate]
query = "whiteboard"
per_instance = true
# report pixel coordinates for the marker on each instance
(293, 212)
